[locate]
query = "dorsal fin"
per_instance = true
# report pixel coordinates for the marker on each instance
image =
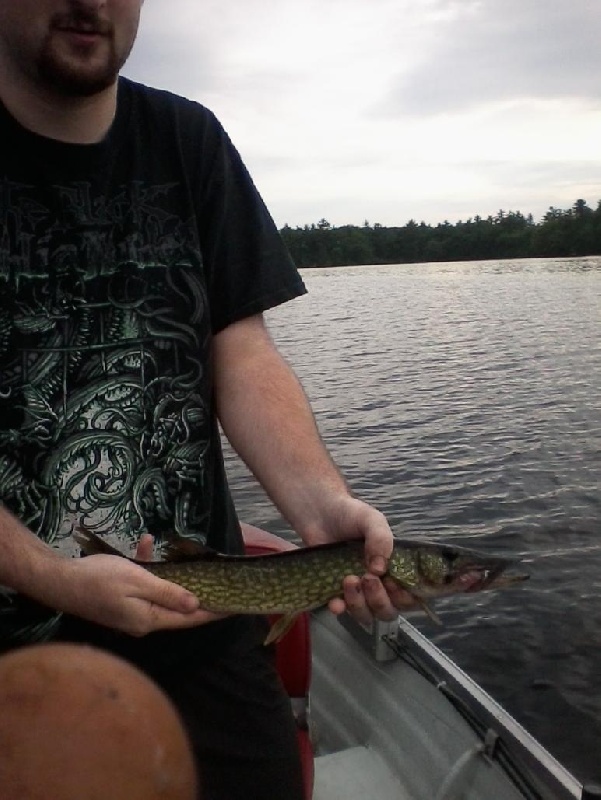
(91, 544)
(177, 549)
(181, 549)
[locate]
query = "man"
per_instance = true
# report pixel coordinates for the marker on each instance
(136, 259)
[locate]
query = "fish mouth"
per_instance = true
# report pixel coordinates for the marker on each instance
(477, 577)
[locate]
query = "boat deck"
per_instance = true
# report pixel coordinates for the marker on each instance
(356, 773)
(383, 729)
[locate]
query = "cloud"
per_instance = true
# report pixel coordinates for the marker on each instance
(218, 50)
(171, 52)
(392, 109)
(498, 50)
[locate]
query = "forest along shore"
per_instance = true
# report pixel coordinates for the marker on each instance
(510, 234)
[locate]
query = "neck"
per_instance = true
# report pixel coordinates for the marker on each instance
(74, 120)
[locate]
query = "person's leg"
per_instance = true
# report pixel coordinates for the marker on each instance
(78, 722)
(256, 779)
(225, 686)
(240, 723)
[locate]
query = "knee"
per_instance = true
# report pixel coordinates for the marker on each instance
(78, 722)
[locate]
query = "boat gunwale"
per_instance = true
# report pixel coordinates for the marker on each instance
(523, 750)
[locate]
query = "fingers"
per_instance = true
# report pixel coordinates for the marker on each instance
(144, 551)
(173, 607)
(162, 605)
(400, 598)
(118, 594)
(356, 600)
(159, 592)
(168, 601)
(337, 606)
(378, 543)
(364, 598)
(375, 595)
(369, 597)
(377, 599)
(169, 596)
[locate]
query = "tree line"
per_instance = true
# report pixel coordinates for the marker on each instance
(509, 234)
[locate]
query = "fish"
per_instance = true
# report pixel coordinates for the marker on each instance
(291, 582)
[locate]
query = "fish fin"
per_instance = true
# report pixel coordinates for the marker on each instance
(177, 549)
(281, 627)
(430, 613)
(92, 544)
(182, 549)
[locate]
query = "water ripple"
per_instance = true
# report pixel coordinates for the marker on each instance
(463, 400)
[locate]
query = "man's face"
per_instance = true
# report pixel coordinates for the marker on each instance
(70, 47)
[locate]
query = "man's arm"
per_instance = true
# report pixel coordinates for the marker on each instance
(266, 416)
(108, 590)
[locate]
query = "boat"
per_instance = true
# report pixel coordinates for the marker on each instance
(383, 714)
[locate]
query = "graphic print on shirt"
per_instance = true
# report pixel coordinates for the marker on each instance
(104, 416)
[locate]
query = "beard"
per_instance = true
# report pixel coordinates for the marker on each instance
(84, 69)
(70, 80)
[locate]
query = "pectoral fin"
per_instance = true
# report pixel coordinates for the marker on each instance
(281, 627)
(432, 614)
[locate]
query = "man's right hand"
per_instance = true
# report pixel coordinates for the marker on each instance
(112, 591)
(105, 589)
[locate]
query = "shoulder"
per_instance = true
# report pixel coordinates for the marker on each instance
(161, 108)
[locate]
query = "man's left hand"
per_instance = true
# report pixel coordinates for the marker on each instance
(371, 595)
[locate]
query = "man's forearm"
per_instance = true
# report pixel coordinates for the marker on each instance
(26, 563)
(105, 589)
(268, 420)
(266, 416)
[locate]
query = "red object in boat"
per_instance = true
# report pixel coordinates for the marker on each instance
(293, 653)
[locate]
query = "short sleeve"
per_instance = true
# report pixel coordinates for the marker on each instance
(247, 266)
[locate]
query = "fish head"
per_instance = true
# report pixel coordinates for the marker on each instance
(434, 570)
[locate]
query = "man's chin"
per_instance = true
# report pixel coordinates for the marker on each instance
(78, 83)
(75, 77)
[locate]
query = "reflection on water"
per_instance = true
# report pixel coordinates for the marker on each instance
(463, 399)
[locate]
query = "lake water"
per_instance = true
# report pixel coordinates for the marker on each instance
(464, 401)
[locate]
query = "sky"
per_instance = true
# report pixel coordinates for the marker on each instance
(390, 110)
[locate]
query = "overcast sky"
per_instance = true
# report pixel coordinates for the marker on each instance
(387, 110)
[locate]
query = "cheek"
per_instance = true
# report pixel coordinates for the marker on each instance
(126, 26)
(22, 26)
(126, 11)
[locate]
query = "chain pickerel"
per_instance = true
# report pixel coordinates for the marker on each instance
(294, 581)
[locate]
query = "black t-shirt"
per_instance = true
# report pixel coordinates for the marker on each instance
(118, 263)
